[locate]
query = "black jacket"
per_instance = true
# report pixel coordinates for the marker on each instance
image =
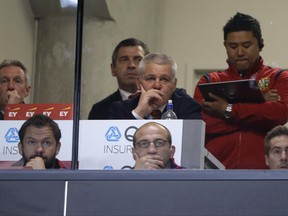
(100, 110)
(184, 106)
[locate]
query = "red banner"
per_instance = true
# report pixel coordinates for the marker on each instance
(25, 111)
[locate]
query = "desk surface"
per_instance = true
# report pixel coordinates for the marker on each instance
(143, 175)
(139, 193)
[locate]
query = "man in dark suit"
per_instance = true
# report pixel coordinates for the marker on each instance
(157, 83)
(125, 59)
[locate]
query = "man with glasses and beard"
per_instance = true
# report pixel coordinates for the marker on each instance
(39, 143)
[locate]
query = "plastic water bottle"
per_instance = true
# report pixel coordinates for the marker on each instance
(169, 114)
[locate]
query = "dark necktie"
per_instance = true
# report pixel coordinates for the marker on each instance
(156, 114)
(1, 116)
(134, 95)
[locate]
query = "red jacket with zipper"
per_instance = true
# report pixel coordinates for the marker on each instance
(239, 143)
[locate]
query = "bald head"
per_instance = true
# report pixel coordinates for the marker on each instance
(152, 127)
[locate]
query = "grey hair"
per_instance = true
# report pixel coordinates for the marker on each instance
(17, 63)
(157, 58)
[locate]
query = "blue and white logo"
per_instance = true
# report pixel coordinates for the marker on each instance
(12, 135)
(113, 134)
(108, 168)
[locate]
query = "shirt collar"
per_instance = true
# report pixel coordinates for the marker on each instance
(162, 108)
(124, 94)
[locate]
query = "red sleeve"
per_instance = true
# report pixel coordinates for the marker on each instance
(213, 124)
(265, 115)
(268, 114)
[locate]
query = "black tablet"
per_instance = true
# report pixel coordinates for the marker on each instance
(237, 91)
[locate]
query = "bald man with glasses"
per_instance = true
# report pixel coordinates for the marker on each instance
(153, 148)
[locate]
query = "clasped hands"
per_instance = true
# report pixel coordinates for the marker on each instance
(149, 100)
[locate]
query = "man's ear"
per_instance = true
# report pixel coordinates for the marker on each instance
(28, 88)
(20, 148)
(134, 154)
(112, 66)
(261, 45)
(175, 83)
(267, 160)
(172, 151)
(138, 83)
(58, 148)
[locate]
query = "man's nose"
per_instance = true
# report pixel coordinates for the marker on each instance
(157, 84)
(240, 51)
(131, 64)
(11, 85)
(152, 149)
(284, 155)
(39, 148)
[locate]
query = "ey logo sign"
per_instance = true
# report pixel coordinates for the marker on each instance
(12, 135)
(113, 134)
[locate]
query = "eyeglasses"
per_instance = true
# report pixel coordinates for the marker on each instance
(158, 143)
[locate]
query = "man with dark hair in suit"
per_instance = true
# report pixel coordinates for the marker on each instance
(157, 82)
(125, 59)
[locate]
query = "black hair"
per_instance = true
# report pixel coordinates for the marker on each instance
(39, 121)
(126, 43)
(244, 22)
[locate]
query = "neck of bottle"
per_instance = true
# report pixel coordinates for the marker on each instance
(169, 106)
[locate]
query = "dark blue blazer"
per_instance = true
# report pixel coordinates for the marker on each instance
(184, 106)
(100, 110)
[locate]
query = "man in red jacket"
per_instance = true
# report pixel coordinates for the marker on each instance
(235, 132)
